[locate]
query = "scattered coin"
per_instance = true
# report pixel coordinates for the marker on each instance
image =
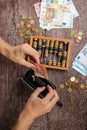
(28, 32)
(69, 90)
(32, 21)
(18, 26)
(72, 79)
(73, 84)
(78, 39)
(76, 86)
(26, 27)
(72, 33)
(82, 86)
(80, 33)
(62, 86)
(37, 30)
(23, 30)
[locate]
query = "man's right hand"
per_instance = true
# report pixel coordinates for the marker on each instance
(36, 107)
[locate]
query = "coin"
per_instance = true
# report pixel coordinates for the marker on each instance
(72, 33)
(18, 26)
(22, 24)
(70, 90)
(28, 25)
(80, 33)
(61, 86)
(72, 79)
(86, 86)
(23, 30)
(33, 29)
(21, 35)
(28, 32)
(76, 81)
(69, 83)
(82, 86)
(76, 85)
(37, 30)
(32, 21)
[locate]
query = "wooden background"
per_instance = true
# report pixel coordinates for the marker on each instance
(13, 96)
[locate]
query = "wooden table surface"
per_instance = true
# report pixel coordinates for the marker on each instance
(13, 96)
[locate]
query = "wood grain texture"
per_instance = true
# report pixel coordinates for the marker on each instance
(13, 96)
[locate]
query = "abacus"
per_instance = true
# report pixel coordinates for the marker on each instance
(54, 52)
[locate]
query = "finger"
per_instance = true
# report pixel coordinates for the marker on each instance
(35, 58)
(49, 96)
(38, 91)
(26, 63)
(33, 53)
(54, 100)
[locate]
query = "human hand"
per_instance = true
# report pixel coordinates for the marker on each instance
(18, 55)
(36, 106)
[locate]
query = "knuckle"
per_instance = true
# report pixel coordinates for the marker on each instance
(48, 109)
(38, 89)
(25, 45)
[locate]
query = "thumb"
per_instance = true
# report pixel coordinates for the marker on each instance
(38, 91)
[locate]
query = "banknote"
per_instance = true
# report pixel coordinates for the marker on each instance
(55, 1)
(37, 8)
(55, 16)
(67, 2)
(72, 8)
(80, 63)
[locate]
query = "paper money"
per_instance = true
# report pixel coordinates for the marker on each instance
(56, 13)
(72, 8)
(55, 1)
(55, 16)
(80, 63)
(37, 8)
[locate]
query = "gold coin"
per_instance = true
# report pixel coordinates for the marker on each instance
(23, 30)
(32, 21)
(70, 90)
(28, 32)
(72, 79)
(22, 24)
(20, 34)
(18, 26)
(82, 86)
(80, 33)
(61, 86)
(37, 30)
(33, 29)
(28, 25)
